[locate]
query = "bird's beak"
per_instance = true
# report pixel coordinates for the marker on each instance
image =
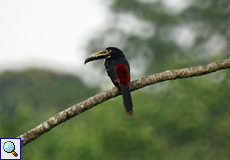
(98, 55)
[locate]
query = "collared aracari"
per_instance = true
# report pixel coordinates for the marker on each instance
(117, 68)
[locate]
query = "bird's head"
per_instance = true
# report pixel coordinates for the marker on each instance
(110, 52)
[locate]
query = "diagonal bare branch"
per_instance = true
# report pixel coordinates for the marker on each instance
(113, 92)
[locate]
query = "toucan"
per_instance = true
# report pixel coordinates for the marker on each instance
(117, 68)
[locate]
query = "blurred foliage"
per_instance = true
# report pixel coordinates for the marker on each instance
(34, 95)
(200, 28)
(180, 119)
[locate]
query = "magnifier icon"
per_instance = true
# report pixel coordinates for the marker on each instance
(9, 147)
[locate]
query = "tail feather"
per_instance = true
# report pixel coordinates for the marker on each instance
(127, 100)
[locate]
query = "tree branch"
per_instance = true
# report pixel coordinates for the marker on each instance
(113, 92)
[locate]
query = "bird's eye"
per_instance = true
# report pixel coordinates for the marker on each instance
(110, 51)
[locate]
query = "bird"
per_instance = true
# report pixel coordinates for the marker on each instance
(117, 68)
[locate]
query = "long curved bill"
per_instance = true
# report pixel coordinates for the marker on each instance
(97, 55)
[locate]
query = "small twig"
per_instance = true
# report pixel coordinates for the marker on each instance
(113, 92)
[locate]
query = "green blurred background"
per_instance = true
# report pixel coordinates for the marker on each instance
(180, 119)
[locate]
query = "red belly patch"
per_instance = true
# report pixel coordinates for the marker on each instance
(122, 75)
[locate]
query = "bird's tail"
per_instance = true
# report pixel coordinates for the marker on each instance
(127, 100)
